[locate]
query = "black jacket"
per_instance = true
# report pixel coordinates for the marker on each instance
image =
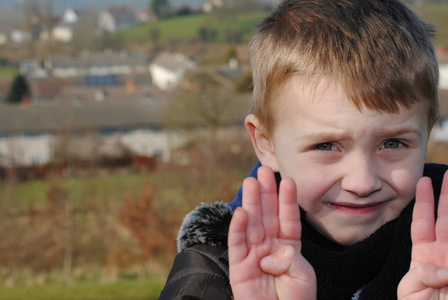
(201, 270)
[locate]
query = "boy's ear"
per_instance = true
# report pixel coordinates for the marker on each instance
(261, 142)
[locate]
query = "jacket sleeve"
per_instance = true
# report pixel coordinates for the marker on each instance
(198, 272)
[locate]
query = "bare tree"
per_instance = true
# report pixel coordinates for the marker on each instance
(204, 99)
(204, 105)
(47, 15)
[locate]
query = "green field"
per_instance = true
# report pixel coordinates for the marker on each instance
(103, 188)
(138, 289)
(8, 72)
(97, 199)
(170, 186)
(187, 27)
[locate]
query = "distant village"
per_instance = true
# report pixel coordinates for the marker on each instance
(109, 104)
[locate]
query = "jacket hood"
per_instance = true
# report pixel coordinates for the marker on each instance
(207, 224)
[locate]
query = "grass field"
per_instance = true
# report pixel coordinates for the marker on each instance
(179, 189)
(104, 188)
(170, 187)
(8, 72)
(137, 289)
(187, 27)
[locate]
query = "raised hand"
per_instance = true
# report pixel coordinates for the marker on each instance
(264, 243)
(428, 275)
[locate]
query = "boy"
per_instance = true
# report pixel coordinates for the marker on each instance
(345, 95)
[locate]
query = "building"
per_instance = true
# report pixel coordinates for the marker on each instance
(168, 69)
(31, 135)
(98, 68)
(116, 19)
(63, 32)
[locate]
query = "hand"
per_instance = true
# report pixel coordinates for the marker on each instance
(264, 243)
(427, 278)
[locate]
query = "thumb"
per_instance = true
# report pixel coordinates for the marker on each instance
(278, 262)
(423, 275)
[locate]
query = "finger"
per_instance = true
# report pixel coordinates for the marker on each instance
(442, 213)
(237, 236)
(422, 276)
(422, 227)
(289, 213)
(252, 206)
(269, 201)
(279, 262)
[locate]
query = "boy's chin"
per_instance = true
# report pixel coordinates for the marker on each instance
(347, 239)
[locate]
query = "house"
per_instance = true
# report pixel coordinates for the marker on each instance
(73, 22)
(168, 69)
(98, 68)
(32, 69)
(70, 16)
(63, 32)
(19, 35)
(47, 89)
(35, 134)
(130, 91)
(115, 19)
(31, 135)
(210, 6)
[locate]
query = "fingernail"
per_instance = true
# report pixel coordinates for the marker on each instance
(442, 273)
(267, 261)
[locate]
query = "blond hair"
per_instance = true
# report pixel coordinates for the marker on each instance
(379, 51)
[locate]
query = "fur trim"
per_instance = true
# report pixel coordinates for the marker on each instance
(207, 224)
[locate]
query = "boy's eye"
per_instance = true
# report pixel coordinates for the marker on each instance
(326, 146)
(391, 144)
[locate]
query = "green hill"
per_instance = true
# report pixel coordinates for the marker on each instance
(188, 27)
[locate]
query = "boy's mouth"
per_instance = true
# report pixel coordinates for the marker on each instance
(356, 208)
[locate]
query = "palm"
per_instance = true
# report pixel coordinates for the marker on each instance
(268, 227)
(254, 280)
(429, 246)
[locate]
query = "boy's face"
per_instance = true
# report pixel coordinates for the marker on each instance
(354, 170)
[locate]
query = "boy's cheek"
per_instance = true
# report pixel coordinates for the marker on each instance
(405, 183)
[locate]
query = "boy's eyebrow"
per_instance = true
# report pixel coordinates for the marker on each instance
(324, 136)
(338, 136)
(399, 132)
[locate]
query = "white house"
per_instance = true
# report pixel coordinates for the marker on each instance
(63, 32)
(168, 69)
(70, 16)
(29, 135)
(25, 149)
(98, 64)
(116, 19)
(20, 36)
(210, 6)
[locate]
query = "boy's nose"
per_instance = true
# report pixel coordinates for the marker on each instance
(361, 178)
